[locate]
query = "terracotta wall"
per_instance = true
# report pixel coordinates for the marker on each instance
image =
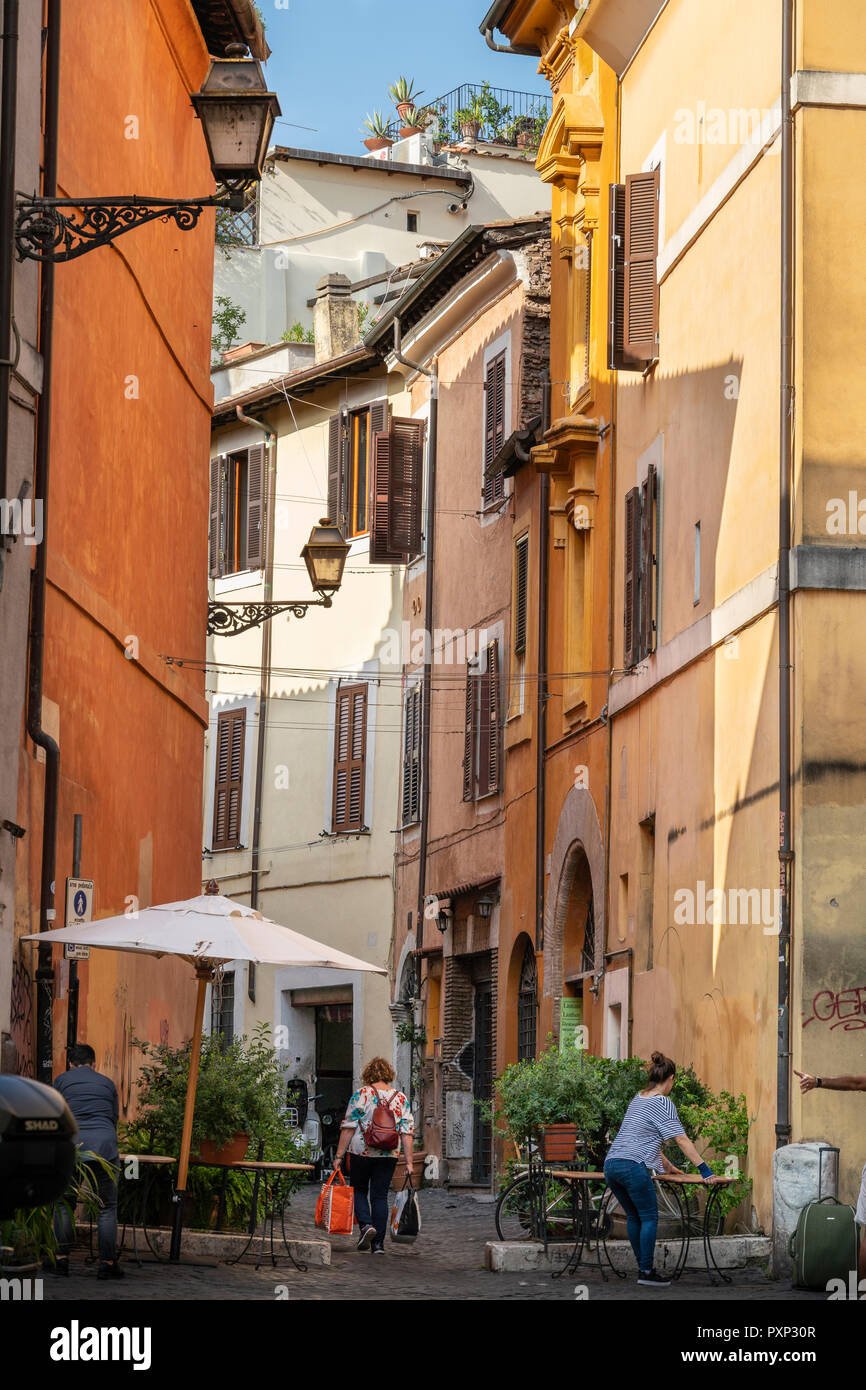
(127, 514)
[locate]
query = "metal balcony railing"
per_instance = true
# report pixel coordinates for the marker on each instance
(495, 115)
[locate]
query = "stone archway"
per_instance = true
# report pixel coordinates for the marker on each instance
(578, 850)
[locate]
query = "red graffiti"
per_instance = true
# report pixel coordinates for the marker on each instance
(844, 1009)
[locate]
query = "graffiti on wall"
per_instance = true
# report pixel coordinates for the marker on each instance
(844, 1008)
(21, 1026)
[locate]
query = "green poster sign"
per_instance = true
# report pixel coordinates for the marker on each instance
(570, 1021)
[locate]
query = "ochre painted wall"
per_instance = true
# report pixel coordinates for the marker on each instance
(127, 515)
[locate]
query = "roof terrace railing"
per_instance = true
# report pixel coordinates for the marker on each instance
(495, 115)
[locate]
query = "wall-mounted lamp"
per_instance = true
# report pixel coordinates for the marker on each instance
(484, 907)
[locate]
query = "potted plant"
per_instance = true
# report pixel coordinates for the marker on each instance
(415, 121)
(403, 94)
(469, 119)
(378, 131)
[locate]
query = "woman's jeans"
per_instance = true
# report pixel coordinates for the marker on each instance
(633, 1187)
(105, 1186)
(374, 1174)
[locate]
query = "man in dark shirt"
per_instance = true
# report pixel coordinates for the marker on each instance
(92, 1098)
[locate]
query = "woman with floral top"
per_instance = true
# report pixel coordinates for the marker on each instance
(371, 1169)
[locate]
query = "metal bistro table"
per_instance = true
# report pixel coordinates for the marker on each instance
(270, 1175)
(595, 1223)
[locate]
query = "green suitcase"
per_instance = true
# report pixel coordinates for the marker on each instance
(824, 1245)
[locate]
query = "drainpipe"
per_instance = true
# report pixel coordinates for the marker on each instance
(265, 673)
(427, 693)
(45, 969)
(786, 419)
(541, 683)
(522, 50)
(8, 114)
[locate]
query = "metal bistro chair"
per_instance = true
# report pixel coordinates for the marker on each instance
(556, 1204)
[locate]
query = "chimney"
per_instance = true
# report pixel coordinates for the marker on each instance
(335, 317)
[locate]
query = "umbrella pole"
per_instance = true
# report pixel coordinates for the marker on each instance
(203, 974)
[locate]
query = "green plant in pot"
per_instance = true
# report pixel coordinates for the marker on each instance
(27, 1238)
(378, 130)
(469, 119)
(415, 120)
(403, 94)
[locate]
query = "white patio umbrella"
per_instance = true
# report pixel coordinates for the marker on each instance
(207, 931)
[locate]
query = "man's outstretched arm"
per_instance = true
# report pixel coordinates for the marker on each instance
(831, 1083)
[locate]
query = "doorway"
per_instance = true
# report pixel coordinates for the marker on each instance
(334, 1078)
(482, 1085)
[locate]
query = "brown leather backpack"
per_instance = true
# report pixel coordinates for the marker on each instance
(381, 1132)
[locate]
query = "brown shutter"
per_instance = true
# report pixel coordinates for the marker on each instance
(217, 516)
(337, 469)
(378, 417)
(381, 552)
(411, 798)
(469, 736)
(647, 563)
(255, 506)
(641, 298)
(616, 358)
(350, 757)
(521, 593)
(406, 485)
(488, 741)
(228, 788)
(632, 581)
(494, 426)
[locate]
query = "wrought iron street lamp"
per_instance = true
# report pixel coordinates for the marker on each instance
(325, 557)
(237, 113)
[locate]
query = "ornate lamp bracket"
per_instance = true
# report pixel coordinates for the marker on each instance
(230, 619)
(61, 229)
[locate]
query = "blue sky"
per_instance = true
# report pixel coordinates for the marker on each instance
(332, 61)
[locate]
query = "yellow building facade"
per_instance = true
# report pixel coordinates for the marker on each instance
(735, 782)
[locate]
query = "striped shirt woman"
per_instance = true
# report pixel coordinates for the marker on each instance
(651, 1120)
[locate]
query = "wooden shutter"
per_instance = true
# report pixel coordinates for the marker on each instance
(216, 543)
(350, 759)
(255, 506)
(521, 593)
(406, 486)
(228, 788)
(641, 296)
(378, 417)
(338, 454)
(632, 577)
(647, 563)
(469, 735)
(411, 798)
(494, 426)
(488, 733)
(616, 358)
(381, 551)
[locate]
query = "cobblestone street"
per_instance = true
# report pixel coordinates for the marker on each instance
(447, 1262)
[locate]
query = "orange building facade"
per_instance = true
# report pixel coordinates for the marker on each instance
(125, 520)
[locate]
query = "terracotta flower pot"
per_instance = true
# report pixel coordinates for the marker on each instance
(400, 1171)
(403, 109)
(469, 130)
(407, 130)
(232, 1152)
(377, 142)
(524, 139)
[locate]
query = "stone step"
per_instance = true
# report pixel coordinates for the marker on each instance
(731, 1252)
(225, 1245)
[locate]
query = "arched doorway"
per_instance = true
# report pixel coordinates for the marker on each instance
(574, 911)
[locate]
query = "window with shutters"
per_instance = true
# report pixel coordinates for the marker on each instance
(521, 593)
(350, 759)
(411, 782)
(397, 491)
(229, 783)
(633, 291)
(641, 569)
(237, 482)
(482, 741)
(351, 435)
(494, 427)
(222, 1008)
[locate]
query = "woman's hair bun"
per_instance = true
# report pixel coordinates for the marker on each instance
(658, 1057)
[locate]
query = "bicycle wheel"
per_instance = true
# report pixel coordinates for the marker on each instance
(514, 1211)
